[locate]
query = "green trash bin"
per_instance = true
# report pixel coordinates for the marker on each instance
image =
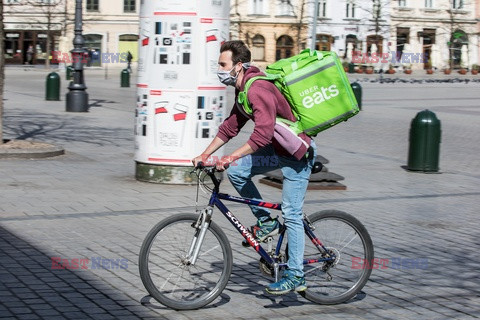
(69, 72)
(125, 78)
(425, 136)
(357, 91)
(52, 91)
(351, 68)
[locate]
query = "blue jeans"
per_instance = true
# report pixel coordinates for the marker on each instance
(296, 174)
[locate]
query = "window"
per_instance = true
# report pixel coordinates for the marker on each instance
(92, 5)
(258, 6)
(12, 46)
(41, 46)
(284, 47)
(285, 8)
(351, 46)
(402, 3)
(403, 37)
(324, 42)
(458, 48)
(457, 4)
(129, 6)
(350, 13)
(428, 3)
(374, 44)
(94, 44)
(322, 8)
(428, 36)
(258, 48)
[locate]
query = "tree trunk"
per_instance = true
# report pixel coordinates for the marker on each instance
(300, 27)
(47, 60)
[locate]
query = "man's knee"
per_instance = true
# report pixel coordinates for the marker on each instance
(235, 173)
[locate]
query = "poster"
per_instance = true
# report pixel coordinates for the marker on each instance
(180, 102)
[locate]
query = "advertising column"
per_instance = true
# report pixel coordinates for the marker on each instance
(180, 102)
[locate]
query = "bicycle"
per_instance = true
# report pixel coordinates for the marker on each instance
(185, 260)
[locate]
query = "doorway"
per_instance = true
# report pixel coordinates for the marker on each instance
(25, 53)
(93, 44)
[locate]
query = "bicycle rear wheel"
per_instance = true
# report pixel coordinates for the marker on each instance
(338, 281)
(169, 278)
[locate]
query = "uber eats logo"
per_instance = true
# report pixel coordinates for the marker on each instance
(316, 95)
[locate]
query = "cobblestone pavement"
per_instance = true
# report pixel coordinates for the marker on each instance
(86, 204)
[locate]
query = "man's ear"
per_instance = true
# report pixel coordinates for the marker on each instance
(241, 66)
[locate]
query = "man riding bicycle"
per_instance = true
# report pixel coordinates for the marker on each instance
(267, 142)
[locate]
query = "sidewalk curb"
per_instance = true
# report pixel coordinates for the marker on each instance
(31, 150)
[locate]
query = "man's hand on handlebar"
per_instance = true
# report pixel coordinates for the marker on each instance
(223, 164)
(200, 159)
(220, 164)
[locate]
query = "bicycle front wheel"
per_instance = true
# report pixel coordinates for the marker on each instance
(339, 280)
(170, 278)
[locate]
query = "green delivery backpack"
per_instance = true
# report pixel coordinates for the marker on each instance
(316, 87)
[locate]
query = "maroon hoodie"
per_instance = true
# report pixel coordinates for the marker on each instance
(267, 103)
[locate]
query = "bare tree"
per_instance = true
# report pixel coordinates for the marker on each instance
(377, 18)
(236, 25)
(240, 22)
(300, 25)
(52, 13)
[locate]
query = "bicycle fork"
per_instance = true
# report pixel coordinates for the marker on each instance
(201, 226)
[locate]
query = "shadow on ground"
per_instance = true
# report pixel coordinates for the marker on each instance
(30, 289)
(60, 129)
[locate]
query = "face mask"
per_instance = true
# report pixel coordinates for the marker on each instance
(226, 78)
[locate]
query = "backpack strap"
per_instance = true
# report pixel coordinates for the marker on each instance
(242, 95)
(247, 108)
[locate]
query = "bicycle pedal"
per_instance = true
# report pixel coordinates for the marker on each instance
(266, 240)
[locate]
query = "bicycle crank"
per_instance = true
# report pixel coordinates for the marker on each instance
(265, 268)
(268, 269)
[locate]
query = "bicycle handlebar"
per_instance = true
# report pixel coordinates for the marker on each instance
(210, 171)
(201, 166)
(317, 167)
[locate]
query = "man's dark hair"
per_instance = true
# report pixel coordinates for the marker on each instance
(240, 51)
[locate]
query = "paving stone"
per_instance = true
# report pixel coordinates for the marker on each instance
(87, 204)
(17, 310)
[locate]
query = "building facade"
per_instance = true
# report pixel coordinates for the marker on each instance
(272, 29)
(32, 29)
(110, 29)
(351, 27)
(109, 26)
(414, 33)
(445, 32)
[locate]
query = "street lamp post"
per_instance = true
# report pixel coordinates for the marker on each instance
(77, 97)
(314, 25)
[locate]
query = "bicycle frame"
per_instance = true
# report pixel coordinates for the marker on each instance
(215, 200)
